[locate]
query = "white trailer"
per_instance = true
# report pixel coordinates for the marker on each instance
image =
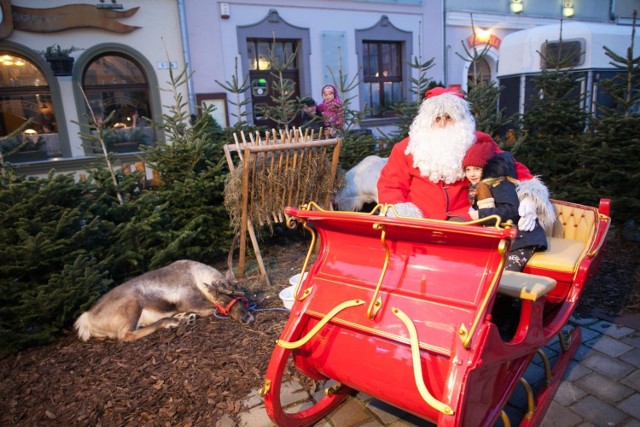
(521, 60)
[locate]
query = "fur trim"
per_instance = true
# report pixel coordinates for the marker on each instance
(407, 209)
(536, 190)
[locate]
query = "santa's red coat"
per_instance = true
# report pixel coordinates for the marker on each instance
(401, 182)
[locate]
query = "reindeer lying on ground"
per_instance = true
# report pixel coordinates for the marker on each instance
(160, 299)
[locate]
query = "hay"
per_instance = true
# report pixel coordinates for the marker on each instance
(278, 179)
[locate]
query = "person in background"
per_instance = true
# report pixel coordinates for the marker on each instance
(310, 118)
(47, 128)
(137, 120)
(331, 109)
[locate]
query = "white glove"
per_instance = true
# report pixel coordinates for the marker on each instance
(528, 215)
(474, 214)
(406, 209)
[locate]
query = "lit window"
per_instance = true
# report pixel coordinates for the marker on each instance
(382, 63)
(261, 52)
(118, 91)
(25, 95)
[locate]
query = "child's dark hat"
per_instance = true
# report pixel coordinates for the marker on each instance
(308, 101)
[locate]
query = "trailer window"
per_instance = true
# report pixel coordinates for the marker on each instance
(565, 54)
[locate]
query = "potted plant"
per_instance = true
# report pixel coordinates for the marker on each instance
(125, 140)
(59, 59)
(24, 149)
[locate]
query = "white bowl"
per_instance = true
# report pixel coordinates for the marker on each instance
(286, 295)
(293, 280)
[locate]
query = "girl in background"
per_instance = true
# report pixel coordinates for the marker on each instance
(331, 110)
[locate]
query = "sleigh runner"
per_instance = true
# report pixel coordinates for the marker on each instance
(401, 309)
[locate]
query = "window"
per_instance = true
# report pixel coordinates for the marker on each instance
(25, 95)
(118, 91)
(259, 52)
(382, 63)
(384, 56)
(265, 57)
(564, 54)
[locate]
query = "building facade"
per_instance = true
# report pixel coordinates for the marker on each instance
(121, 63)
(128, 48)
(370, 42)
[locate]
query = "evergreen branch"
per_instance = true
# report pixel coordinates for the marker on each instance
(237, 88)
(98, 125)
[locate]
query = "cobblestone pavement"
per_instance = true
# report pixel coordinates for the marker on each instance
(600, 388)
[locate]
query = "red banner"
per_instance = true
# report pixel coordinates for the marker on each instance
(493, 41)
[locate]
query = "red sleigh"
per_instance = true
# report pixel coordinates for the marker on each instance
(401, 309)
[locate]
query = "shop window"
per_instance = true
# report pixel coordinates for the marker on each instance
(25, 103)
(118, 94)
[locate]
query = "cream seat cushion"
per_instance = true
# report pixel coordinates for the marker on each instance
(561, 255)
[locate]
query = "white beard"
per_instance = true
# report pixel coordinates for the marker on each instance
(438, 152)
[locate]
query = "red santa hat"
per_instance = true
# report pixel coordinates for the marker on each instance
(437, 91)
(478, 155)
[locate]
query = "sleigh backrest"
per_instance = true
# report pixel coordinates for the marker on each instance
(569, 239)
(442, 275)
(575, 222)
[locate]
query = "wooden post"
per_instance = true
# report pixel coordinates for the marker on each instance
(245, 204)
(334, 165)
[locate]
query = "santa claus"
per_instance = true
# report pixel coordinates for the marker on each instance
(424, 176)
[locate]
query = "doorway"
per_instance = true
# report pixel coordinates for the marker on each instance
(254, 44)
(273, 75)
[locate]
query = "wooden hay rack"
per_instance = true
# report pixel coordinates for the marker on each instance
(274, 171)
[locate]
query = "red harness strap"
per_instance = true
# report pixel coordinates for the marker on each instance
(224, 311)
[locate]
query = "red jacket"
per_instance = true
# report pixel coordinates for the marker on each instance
(401, 182)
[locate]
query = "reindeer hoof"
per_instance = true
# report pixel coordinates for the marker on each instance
(189, 318)
(171, 322)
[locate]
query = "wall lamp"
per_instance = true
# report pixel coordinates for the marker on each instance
(567, 8)
(517, 6)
